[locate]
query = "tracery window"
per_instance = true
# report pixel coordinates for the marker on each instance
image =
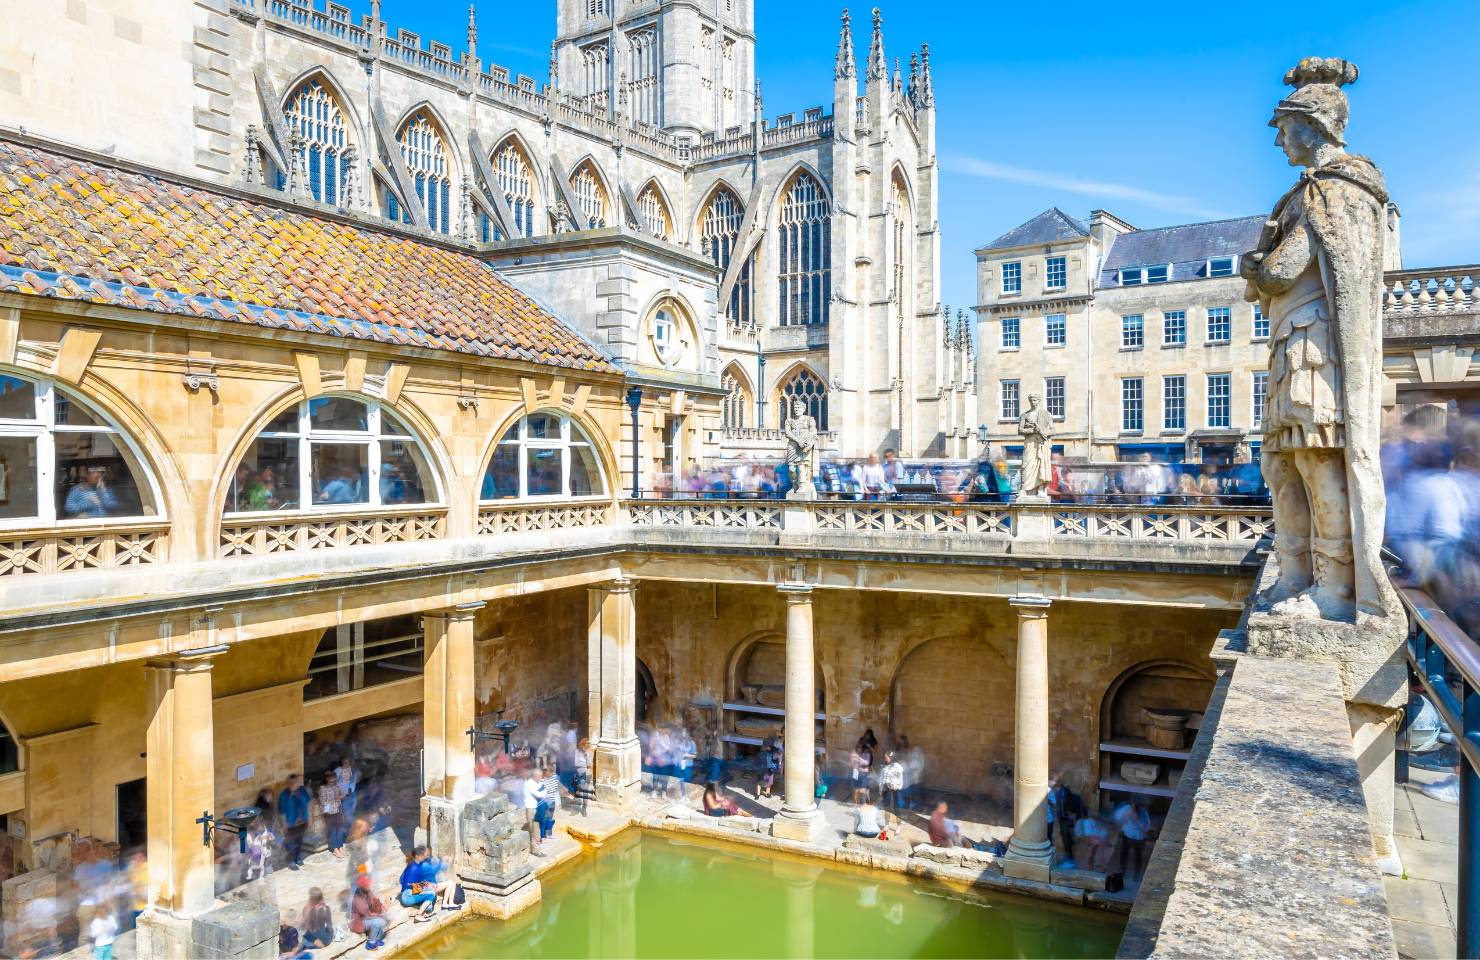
(543, 455)
(644, 90)
(332, 452)
(426, 157)
(806, 254)
(655, 219)
(60, 460)
(737, 399)
(517, 182)
(595, 63)
(314, 114)
(806, 386)
(589, 195)
(719, 234)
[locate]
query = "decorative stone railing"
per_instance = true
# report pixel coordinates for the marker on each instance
(731, 145)
(819, 129)
(77, 548)
(1436, 291)
(900, 517)
(264, 536)
(715, 514)
(1151, 523)
(494, 519)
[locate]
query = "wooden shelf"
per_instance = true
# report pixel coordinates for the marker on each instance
(1157, 789)
(736, 738)
(1136, 747)
(763, 711)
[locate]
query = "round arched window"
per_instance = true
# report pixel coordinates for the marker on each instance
(543, 455)
(332, 452)
(61, 460)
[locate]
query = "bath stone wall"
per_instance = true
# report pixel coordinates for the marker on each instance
(690, 636)
(531, 659)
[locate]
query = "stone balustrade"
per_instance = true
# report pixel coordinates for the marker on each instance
(517, 517)
(71, 548)
(1437, 291)
(262, 536)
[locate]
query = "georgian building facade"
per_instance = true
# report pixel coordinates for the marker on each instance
(819, 229)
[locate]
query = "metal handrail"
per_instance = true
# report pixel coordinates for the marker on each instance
(1446, 662)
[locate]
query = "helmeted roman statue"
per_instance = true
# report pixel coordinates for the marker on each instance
(1317, 275)
(1037, 472)
(801, 451)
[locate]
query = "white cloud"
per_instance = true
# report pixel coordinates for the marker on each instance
(989, 170)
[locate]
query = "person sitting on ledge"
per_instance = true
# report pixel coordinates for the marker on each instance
(718, 805)
(870, 822)
(943, 832)
(318, 921)
(367, 913)
(420, 886)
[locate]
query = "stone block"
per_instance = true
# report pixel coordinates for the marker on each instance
(954, 856)
(1087, 880)
(242, 928)
(876, 847)
(742, 824)
(494, 849)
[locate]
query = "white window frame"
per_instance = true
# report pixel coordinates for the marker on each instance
(1126, 275)
(1017, 276)
(1180, 380)
(1017, 400)
(1048, 273)
(1048, 339)
(1132, 335)
(43, 429)
(1226, 318)
(1166, 328)
(1258, 387)
(1260, 320)
(1017, 333)
(1140, 404)
(1232, 262)
(1052, 385)
(371, 436)
(1226, 396)
(564, 443)
(1166, 273)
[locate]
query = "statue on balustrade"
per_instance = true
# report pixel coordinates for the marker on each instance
(1317, 275)
(801, 451)
(1036, 425)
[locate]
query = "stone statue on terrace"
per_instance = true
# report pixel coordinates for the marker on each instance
(801, 451)
(1036, 425)
(1317, 275)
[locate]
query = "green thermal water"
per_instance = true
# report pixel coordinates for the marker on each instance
(651, 895)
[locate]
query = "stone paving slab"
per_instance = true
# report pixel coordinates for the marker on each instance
(1424, 901)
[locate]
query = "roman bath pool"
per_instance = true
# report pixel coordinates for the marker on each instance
(652, 895)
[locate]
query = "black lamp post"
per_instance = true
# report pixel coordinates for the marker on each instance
(981, 434)
(237, 820)
(634, 402)
(760, 385)
(505, 730)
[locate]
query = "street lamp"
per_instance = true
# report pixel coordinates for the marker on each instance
(634, 402)
(505, 730)
(981, 434)
(236, 820)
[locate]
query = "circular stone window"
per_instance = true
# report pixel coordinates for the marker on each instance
(665, 337)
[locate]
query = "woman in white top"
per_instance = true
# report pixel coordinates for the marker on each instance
(534, 792)
(869, 823)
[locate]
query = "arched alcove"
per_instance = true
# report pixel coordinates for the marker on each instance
(756, 685)
(953, 698)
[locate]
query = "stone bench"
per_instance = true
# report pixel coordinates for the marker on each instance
(689, 814)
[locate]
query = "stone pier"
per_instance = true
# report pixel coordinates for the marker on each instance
(799, 818)
(1030, 854)
(448, 710)
(612, 691)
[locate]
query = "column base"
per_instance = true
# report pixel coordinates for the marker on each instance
(241, 928)
(806, 825)
(617, 772)
(440, 817)
(1028, 860)
(501, 901)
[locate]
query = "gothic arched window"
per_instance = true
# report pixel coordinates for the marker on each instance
(426, 157)
(719, 234)
(806, 253)
(642, 75)
(63, 461)
(737, 398)
(517, 182)
(314, 114)
(655, 219)
(590, 195)
(807, 387)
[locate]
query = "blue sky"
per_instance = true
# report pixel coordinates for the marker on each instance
(1154, 111)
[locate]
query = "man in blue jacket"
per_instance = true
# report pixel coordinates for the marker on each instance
(293, 808)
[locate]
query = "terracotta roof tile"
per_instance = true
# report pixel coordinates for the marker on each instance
(75, 229)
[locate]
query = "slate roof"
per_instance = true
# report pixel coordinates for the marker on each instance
(1049, 226)
(1186, 247)
(78, 230)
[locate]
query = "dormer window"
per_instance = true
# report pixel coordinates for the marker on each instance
(1132, 276)
(1221, 266)
(1156, 274)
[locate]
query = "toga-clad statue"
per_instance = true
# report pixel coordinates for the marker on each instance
(1317, 275)
(1035, 425)
(801, 451)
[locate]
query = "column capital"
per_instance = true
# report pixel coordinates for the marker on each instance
(622, 584)
(1031, 607)
(188, 661)
(461, 611)
(795, 592)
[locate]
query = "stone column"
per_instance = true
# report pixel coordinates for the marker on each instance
(180, 766)
(448, 710)
(1030, 854)
(448, 702)
(799, 818)
(611, 685)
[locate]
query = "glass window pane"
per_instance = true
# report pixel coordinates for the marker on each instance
(94, 478)
(502, 479)
(17, 399)
(339, 473)
(285, 422)
(267, 477)
(585, 472)
(544, 472)
(391, 426)
(544, 426)
(401, 473)
(17, 477)
(337, 413)
(72, 414)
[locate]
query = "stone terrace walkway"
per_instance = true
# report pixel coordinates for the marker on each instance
(1424, 902)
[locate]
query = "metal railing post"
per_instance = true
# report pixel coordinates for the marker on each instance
(1468, 921)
